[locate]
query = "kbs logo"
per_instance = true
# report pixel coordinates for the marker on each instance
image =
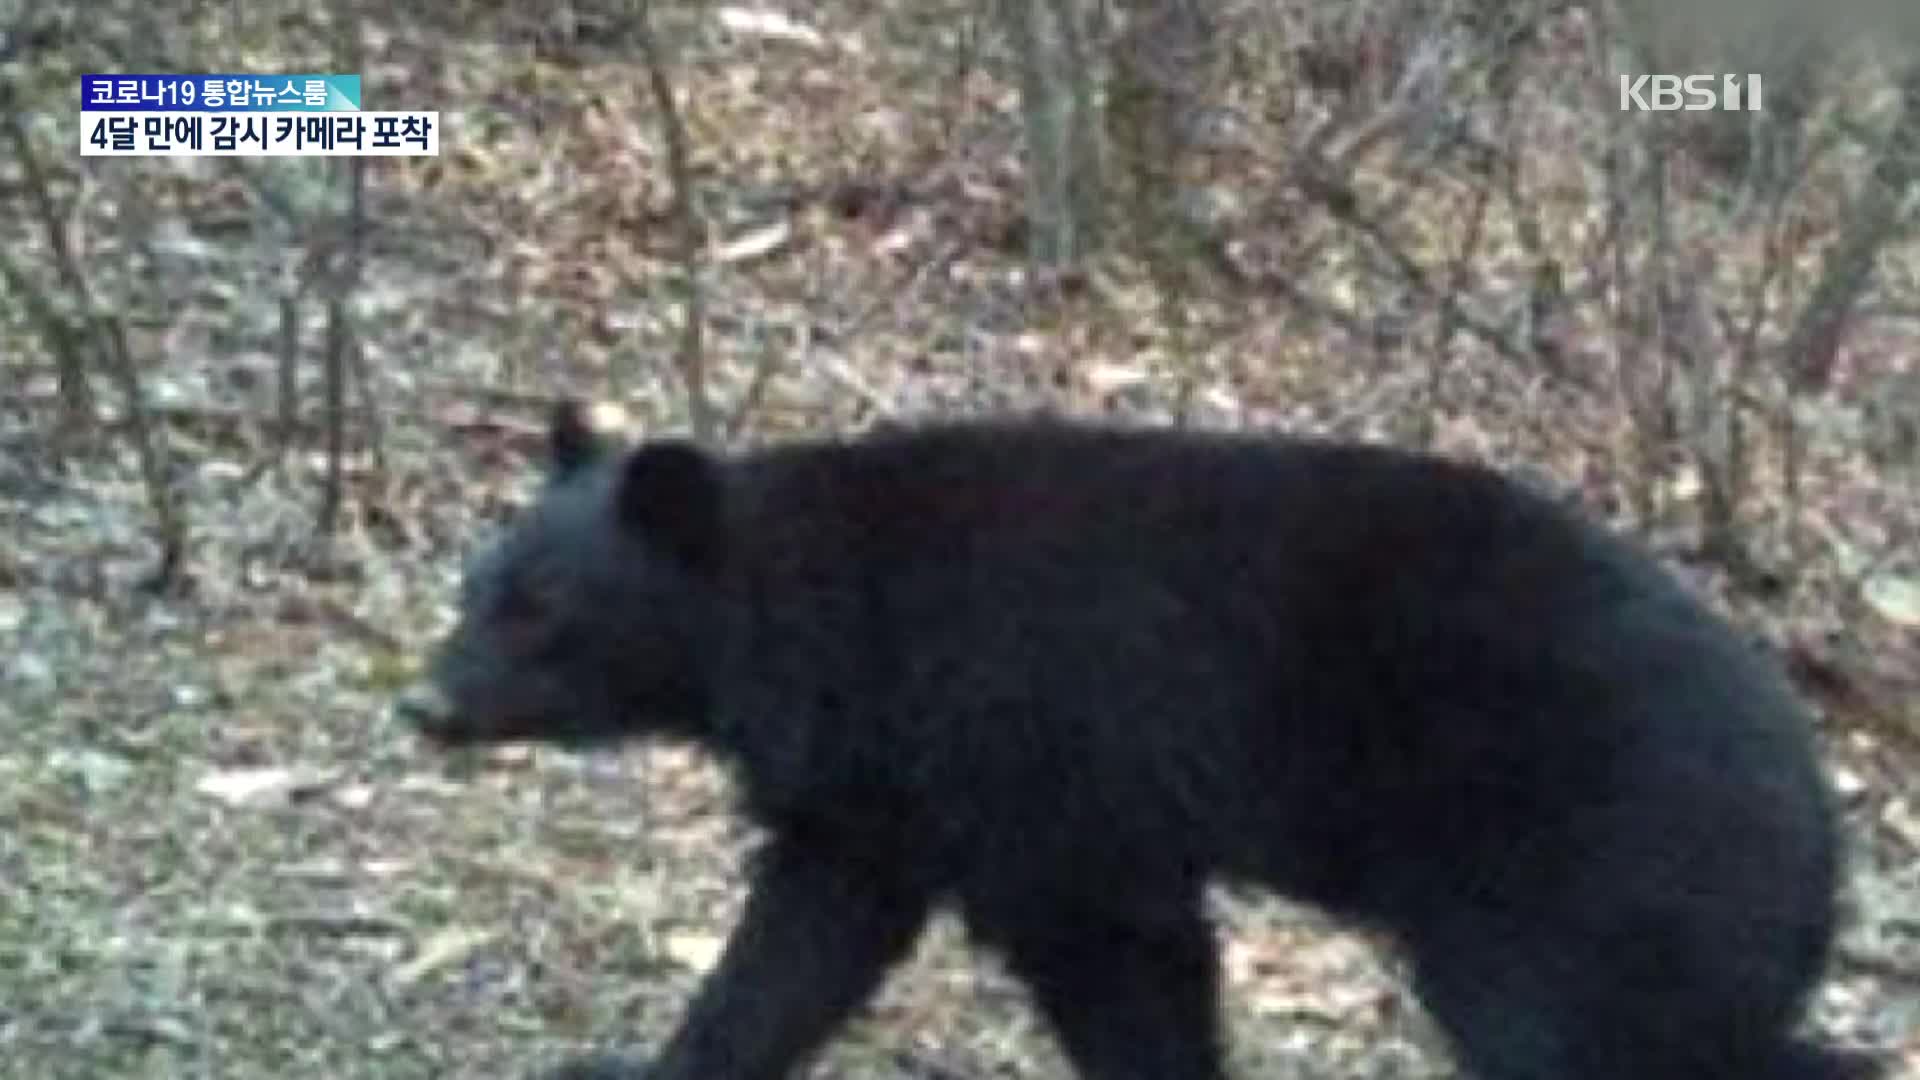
(1693, 93)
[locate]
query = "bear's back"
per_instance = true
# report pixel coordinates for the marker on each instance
(1232, 627)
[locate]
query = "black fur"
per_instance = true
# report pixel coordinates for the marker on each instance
(1061, 677)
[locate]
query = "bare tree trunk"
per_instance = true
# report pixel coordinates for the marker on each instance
(1165, 65)
(1064, 182)
(1163, 74)
(1847, 266)
(341, 333)
(701, 415)
(287, 374)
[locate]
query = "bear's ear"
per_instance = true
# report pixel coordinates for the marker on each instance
(572, 442)
(670, 496)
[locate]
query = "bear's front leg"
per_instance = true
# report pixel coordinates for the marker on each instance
(820, 932)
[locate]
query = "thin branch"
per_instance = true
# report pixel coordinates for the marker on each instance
(109, 338)
(692, 358)
(341, 337)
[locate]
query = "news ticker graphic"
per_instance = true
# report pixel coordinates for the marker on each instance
(220, 93)
(198, 134)
(244, 116)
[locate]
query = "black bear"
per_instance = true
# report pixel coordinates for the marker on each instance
(1060, 676)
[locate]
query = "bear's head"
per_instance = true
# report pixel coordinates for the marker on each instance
(584, 622)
